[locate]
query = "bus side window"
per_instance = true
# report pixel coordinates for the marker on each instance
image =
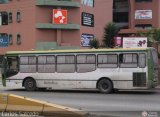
(142, 60)
(107, 61)
(86, 63)
(65, 63)
(129, 60)
(28, 64)
(46, 64)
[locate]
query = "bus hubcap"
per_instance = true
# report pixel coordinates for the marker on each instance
(30, 84)
(104, 86)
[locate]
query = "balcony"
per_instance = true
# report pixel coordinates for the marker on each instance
(55, 26)
(3, 1)
(122, 24)
(58, 3)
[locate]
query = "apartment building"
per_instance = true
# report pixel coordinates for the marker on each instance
(70, 24)
(52, 24)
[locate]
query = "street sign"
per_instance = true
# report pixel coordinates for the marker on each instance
(4, 41)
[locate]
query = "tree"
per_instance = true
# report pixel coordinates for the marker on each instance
(153, 36)
(94, 43)
(110, 31)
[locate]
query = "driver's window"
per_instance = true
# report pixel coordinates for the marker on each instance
(12, 63)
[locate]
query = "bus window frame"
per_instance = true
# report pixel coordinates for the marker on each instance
(95, 62)
(145, 60)
(56, 69)
(16, 59)
(137, 63)
(107, 63)
(46, 63)
(28, 63)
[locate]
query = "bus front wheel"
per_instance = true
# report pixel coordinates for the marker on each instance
(105, 86)
(30, 84)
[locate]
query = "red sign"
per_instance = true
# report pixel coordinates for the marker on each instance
(59, 16)
(118, 41)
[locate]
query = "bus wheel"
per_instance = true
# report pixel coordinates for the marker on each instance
(105, 86)
(30, 84)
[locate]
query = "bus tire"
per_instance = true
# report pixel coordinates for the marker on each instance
(30, 84)
(105, 86)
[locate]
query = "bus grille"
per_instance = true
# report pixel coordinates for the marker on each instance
(139, 79)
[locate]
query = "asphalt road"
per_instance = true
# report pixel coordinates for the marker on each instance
(122, 103)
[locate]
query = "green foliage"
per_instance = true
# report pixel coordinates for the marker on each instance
(110, 31)
(153, 36)
(94, 43)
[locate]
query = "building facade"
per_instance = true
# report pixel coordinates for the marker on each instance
(69, 24)
(29, 24)
(138, 15)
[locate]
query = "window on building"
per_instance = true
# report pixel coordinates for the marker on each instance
(18, 16)
(128, 60)
(10, 19)
(4, 1)
(143, 0)
(19, 39)
(120, 13)
(46, 64)
(10, 37)
(88, 3)
(28, 64)
(143, 26)
(120, 17)
(86, 63)
(3, 18)
(107, 61)
(66, 64)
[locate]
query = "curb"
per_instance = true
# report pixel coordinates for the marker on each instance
(19, 104)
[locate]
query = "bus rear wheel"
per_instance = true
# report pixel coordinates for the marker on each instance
(105, 86)
(30, 84)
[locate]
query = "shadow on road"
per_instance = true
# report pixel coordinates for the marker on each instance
(120, 92)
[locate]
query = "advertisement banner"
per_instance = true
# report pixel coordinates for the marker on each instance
(59, 16)
(87, 19)
(117, 41)
(85, 39)
(4, 41)
(134, 42)
(143, 14)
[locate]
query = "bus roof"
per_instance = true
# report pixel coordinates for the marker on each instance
(74, 51)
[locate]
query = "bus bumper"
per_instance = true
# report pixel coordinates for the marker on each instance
(14, 83)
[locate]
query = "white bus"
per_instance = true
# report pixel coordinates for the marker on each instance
(103, 69)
